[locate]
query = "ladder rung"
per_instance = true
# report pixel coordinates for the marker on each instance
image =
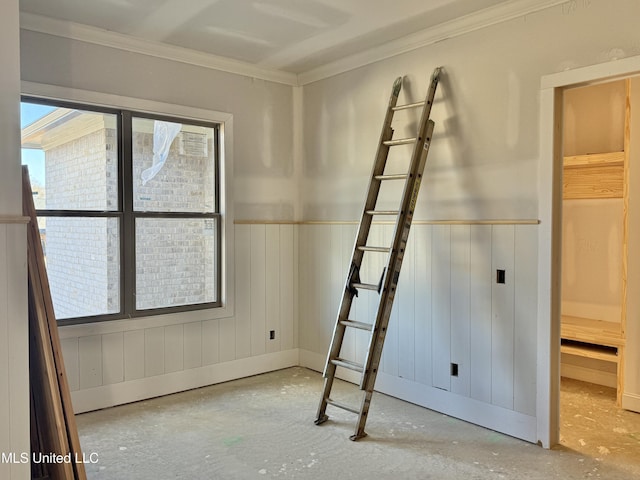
(341, 362)
(400, 176)
(366, 248)
(365, 286)
(400, 141)
(354, 324)
(383, 212)
(343, 406)
(408, 105)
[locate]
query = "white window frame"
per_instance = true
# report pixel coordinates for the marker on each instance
(225, 120)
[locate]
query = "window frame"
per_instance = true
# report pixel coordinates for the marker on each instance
(126, 214)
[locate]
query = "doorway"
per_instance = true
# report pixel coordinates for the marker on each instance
(595, 198)
(595, 141)
(552, 188)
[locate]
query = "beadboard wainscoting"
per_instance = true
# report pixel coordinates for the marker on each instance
(112, 363)
(449, 309)
(14, 337)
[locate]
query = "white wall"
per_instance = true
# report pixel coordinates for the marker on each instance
(122, 361)
(483, 160)
(262, 110)
(448, 309)
(14, 360)
(116, 362)
(483, 163)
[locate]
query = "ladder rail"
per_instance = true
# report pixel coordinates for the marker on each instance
(357, 255)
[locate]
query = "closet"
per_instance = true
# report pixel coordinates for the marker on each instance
(596, 139)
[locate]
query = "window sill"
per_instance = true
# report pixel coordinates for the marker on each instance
(141, 323)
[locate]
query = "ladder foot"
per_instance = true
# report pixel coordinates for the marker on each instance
(357, 436)
(321, 420)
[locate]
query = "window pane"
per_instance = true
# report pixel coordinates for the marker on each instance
(72, 157)
(83, 264)
(176, 262)
(173, 167)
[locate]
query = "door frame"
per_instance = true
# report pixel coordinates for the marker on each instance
(550, 232)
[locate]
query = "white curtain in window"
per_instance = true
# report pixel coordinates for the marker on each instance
(163, 135)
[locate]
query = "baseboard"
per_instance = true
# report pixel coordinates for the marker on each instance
(312, 360)
(631, 401)
(507, 421)
(126, 392)
(590, 375)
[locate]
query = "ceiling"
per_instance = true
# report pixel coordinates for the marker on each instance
(293, 36)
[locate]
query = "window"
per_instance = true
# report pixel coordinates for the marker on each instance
(128, 209)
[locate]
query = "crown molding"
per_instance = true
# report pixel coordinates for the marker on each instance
(454, 28)
(98, 36)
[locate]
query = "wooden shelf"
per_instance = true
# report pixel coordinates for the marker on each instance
(590, 351)
(594, 181)
(589, 338)
(596, 332)
(594, 159)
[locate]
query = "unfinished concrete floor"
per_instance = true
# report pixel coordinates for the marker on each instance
(592, 425)
(262, 427)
